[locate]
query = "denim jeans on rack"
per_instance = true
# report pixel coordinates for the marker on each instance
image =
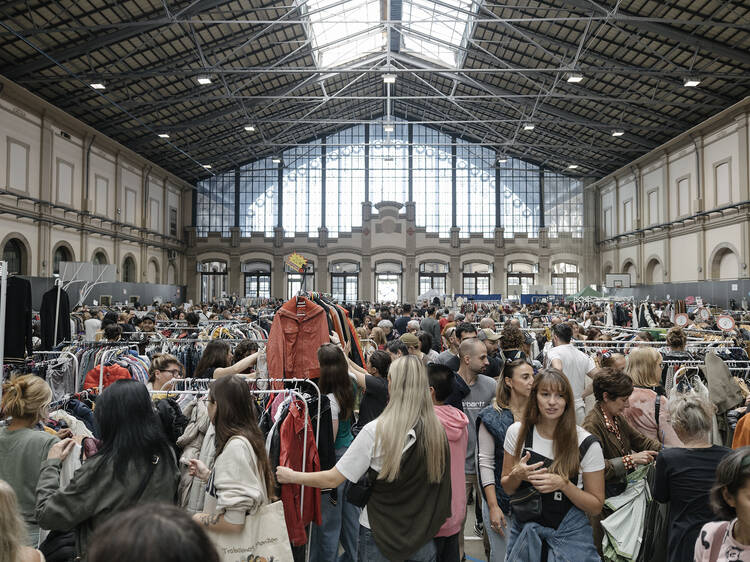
(339, 523)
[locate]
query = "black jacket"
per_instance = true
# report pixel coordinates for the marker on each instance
(18, 318)
(47, 318)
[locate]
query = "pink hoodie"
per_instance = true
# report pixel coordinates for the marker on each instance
(455, 423)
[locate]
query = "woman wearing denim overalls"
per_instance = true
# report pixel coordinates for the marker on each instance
(564, 464)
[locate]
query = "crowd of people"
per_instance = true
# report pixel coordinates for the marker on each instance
(494, 407)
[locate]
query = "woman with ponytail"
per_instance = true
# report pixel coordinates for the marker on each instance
(22, 447)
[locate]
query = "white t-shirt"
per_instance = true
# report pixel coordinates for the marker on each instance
(362, 455)
(576, 365)
(92, 326)
(592, 461)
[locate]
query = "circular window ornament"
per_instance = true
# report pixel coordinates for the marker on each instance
(725, 323)
(681, 320)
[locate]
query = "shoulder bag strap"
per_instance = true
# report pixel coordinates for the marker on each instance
(585, 444)
(657, 407)
(716, 541)
(529, 441)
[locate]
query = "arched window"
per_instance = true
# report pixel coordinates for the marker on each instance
(344, 281)
(477, 278)
(296, 282)
(14, 253)
(257, 279)
(61, 254)
(564, 278)
(521, 276)
(99, 259)
(432, 277)
(214, 276)
(388, 282)
(128, 271)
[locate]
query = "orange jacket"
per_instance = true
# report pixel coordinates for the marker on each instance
(741, 433)
(294, 339)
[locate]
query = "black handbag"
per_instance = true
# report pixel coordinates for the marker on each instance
(358, 493)
(526, 505)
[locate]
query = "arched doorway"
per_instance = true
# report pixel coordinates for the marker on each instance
(153, 272)
(725, 265)
(62, 253)
(14, 252)
(129, 271)
(629, 268)
(654, 272)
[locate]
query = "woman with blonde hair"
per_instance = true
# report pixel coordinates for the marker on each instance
(12, 530)
(23, 449)
(684, 474)
(648, 410)
(403, 456)
(378, 336)
(547, 454)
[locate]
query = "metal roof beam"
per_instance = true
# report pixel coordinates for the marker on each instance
(546, 108)
(61, 55)
(685, 38)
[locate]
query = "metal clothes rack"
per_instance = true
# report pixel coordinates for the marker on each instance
(292, 392)
(3, 299)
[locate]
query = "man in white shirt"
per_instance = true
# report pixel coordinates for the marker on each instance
(575, 364)
(92, 326)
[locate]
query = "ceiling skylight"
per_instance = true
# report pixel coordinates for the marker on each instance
(433, 31)
(343, 31)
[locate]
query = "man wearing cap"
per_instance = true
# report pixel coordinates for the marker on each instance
(491, 340)
(413, 344)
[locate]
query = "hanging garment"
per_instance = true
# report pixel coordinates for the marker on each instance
(18, 318)
(293, 437)
(47, 318)
(299, 329)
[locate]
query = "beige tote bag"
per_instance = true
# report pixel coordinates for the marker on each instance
(263, 539)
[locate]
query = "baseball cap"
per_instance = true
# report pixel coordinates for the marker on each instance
(410, 339)
(459, 316)
(488, 334)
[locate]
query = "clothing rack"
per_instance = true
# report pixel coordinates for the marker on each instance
(3, 298)
(61, 353)
(68, 397)
(295, 393)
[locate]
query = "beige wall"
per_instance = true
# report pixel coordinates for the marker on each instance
(388, 235)
(43, 159)
(698, 172)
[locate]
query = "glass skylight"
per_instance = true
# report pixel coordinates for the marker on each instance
(343, 31)
(433, 31)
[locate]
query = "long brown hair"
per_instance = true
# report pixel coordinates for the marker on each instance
(565, 438)
(235, 416)
(215, 355)
(334, 378)
(502, 395)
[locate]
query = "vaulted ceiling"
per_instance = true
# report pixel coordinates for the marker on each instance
(297, 69)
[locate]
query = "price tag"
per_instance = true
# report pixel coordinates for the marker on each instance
(725, 323)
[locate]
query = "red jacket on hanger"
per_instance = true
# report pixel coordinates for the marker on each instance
(111, 374)
(293, 437)
(296, 334)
